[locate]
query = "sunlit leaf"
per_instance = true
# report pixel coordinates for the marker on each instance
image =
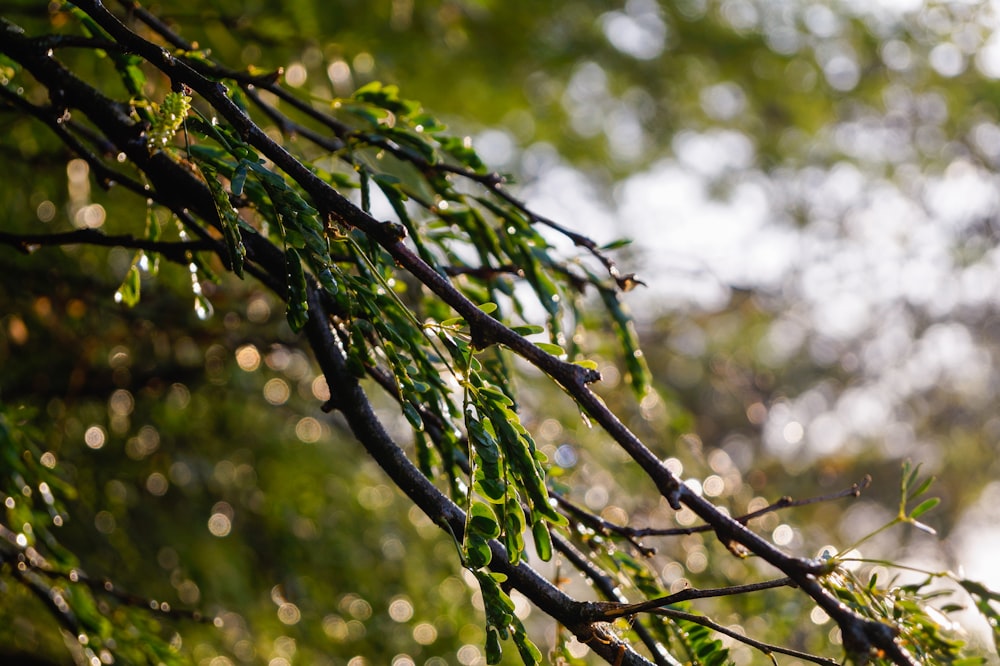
(129, 291)
(924, 507)
(483, 521)
(543, 541)
(298, 306)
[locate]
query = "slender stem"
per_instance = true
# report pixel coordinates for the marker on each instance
(766, 648)
(173, 251)
(611, 611)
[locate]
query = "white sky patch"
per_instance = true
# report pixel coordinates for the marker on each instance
(977, 541)
(988, 58)
(869, 252)
(723, 101)
(878, 247)
(964, 195)
(639, 31)
(714, 153)
(564, 195)
(495, 146)
(691, 245)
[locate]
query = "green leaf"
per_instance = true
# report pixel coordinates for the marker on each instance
(239, 178)
(328, 281)
(413, 416)
(921, 489)
(493, 650)
(477, 551)
(128, 292)
(635, 361)
(530, 654)
(366, 195)
(229, 219)
(924, 507)
(616, 244)
(496, 396)
(550, 348)
(543, 540)
(483, 521)
(461, 149)
(494, 490)
(297, 311)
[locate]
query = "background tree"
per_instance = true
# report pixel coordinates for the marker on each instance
(133, 412)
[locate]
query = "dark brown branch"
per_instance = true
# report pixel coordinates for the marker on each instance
(178, 251)
(175, 186)
(76, 41)
(158, 26)
(354, 405)
(287, 126)
(484, 272)
(610, 590)
(57, 121)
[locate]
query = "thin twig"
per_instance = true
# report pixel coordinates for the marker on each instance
(176, 251)
(609, 611)
(766, 648)
(854, 490)
(600, 525)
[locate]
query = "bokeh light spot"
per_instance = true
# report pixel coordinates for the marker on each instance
(276, 391)
(219, 524)
(95, 437)
(248, 358)
(401, 609)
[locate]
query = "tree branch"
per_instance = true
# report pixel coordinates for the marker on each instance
(178, 252)
(352, 402)
(175, 182)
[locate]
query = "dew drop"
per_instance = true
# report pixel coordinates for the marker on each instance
(202, 307)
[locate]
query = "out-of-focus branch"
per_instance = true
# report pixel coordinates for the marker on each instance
(176, 251)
